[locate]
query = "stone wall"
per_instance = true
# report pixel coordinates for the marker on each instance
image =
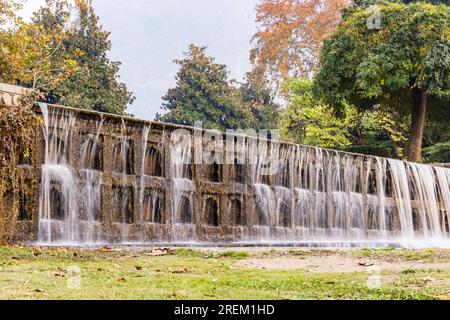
(138, 198)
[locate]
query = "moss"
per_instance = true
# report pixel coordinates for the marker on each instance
(17, 143)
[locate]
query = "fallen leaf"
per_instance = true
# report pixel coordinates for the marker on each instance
(183, 270)
(138, 267)
(158, 252)
(61, 250)
(121, 280)
(106, 249)
(366, 264)
(37, 251)
(446, 297)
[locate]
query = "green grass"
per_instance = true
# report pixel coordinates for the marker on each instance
(189, 274)
(425, 255)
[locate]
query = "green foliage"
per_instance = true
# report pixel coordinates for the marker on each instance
(367, 3)
(204, 93)
(95, 85)
(366, 67)
(61, 61)
(32, 56)
(439, 152)
(380, 133)
(407, 58)
(307, 120)
(258, 95)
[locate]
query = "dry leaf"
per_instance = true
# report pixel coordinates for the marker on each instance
(61, 250)
(446, 297)
(138, 267)
(366, 264)
(37, 251)
(106, 249)
(158, 252)
(183, 270)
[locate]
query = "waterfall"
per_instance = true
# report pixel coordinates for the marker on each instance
(341, 199)
(145, 133)
(443, 176)
(124, 211)
(91, 176)
(92, 191)
(183, 218)
(58, 212)
(402, 198)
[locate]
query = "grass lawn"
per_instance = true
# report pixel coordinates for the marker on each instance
(118, 273)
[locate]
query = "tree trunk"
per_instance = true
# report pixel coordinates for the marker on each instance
(419, 109)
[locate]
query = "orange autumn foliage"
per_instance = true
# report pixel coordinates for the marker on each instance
(290, 34)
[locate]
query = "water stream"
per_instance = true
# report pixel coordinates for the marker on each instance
(315, 197)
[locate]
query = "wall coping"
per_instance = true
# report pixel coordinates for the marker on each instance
(190, 128)
(13, 92)
(10, 94)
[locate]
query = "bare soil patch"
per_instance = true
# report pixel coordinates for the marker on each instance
(337, 261)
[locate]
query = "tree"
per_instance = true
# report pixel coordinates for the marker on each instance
(308, 121)
(8, 9)
(204, 93)
(96, 83)
(403, 63)
(31, 56)
(368, 3)
(290, 34)
(257, 93)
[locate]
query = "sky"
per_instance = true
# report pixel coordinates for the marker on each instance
(147, 35)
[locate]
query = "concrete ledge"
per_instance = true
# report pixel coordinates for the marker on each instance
(10, 94)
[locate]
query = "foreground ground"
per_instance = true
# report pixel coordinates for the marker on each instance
(118, 273)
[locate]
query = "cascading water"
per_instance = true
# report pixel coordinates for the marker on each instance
(142, 205)
(91, 178)
(340, 199)
(58, 212)
(305, 196)
(183, 216)
(123, 166)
